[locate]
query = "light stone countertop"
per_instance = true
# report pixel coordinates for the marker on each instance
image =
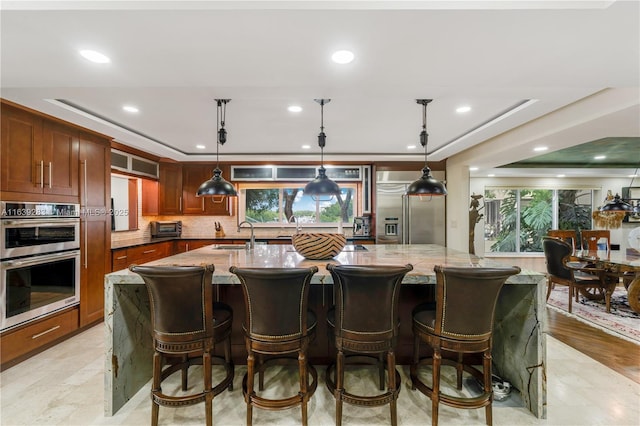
(423, 257)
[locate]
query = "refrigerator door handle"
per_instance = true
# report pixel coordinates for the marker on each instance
(406, 220)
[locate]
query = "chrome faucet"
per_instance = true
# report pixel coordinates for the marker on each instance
(252, 239)
(294, 218)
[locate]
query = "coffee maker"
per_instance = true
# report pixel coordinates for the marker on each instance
(361, 226)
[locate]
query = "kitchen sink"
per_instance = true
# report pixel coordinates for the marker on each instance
(229, 247)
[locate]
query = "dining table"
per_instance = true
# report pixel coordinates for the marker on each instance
(620, 264)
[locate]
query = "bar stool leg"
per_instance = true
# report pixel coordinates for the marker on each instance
(208, 397)
(339, 386)
(250, 392)
(486, 367)
(391, 367)
(435, 397)
(302, 371)
(157, 372)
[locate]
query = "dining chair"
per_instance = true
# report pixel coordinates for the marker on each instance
(568, 235)
(278, 328)
(461, 322)
(364, 325)
(580, 277)
(594, 240)
(187, 325)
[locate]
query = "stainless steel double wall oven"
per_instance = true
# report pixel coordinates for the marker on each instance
(40, 260)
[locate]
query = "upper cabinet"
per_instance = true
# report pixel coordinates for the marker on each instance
(38, 156)
(177, 189)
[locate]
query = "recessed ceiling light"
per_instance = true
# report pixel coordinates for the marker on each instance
(633, 176)
(411, 147)
(473, 169)
(200, 146)
(306, 146)
(540, 148)
(463, 109)
(342, 57)
(94, 56)
(491, 175)
(130, 108)
(599, 157)
(560, 176)
(294, 108)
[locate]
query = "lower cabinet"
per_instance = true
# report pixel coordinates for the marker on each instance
(37, 335)
(122, 258)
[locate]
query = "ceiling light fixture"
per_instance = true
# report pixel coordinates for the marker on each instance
(130, 108)
(322, 185)
(463, 109)
(612, 213)
(426, 184)
(599, 157)
(294, 108)
(342, 57)
(95, 57)
(217, 185)
(200, 146)
(540, 148)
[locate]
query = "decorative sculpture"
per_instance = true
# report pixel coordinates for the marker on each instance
(474, 218)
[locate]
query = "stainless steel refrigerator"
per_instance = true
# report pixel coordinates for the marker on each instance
(401, 219)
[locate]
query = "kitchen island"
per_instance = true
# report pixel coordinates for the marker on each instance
(519, 342)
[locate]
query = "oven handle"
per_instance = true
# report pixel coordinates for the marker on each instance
(31, 222)
(34, 260)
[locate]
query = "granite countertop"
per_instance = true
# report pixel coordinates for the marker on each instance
(423, 257)
(134, 242)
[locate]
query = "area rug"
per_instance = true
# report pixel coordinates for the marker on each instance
(622, 321)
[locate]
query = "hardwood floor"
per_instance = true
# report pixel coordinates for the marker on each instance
(618, 354)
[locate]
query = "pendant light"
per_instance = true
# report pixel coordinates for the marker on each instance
(617, 204)
(322, 185)
(217, 185)
(426, 184)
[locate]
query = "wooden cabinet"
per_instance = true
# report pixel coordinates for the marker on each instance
(123, 257)
(193, 175)
(38, 334)
(182, 246)
(95, 225)
(170, 189)
(39, 156)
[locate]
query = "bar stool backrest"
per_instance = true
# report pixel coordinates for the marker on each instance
(276, 301)
(466, 300)
(181, 304)
(366, 299)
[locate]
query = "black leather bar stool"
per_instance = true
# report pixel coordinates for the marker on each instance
(363, 324)
(461, 323)
(278, 326)
(187, 325)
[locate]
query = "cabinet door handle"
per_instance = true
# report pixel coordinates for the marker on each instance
(50, 173)
(148, 251)
(41, 174)
(121, 257)
(84, 166)
(86, 262)
(187, 245)
(180, 202)
(203, 203)
(35, 336)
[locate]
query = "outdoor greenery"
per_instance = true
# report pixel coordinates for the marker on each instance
(535, 216)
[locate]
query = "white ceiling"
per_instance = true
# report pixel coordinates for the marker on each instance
(172, 59)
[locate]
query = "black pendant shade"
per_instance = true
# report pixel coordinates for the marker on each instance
(616, 205)
(217, 185)
(322, 185)
(426, 184)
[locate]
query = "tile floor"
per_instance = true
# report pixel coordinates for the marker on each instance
(64, 386)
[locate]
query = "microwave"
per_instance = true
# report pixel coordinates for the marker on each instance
(166, 228)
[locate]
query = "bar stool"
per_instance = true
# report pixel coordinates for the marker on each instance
(187, 325)
(363, 324)
(277, 324)
(462, 322)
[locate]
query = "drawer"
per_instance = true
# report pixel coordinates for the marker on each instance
(119, 259)
(19, 342)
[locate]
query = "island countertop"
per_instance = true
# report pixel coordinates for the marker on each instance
(423, 257)
(519, 343)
